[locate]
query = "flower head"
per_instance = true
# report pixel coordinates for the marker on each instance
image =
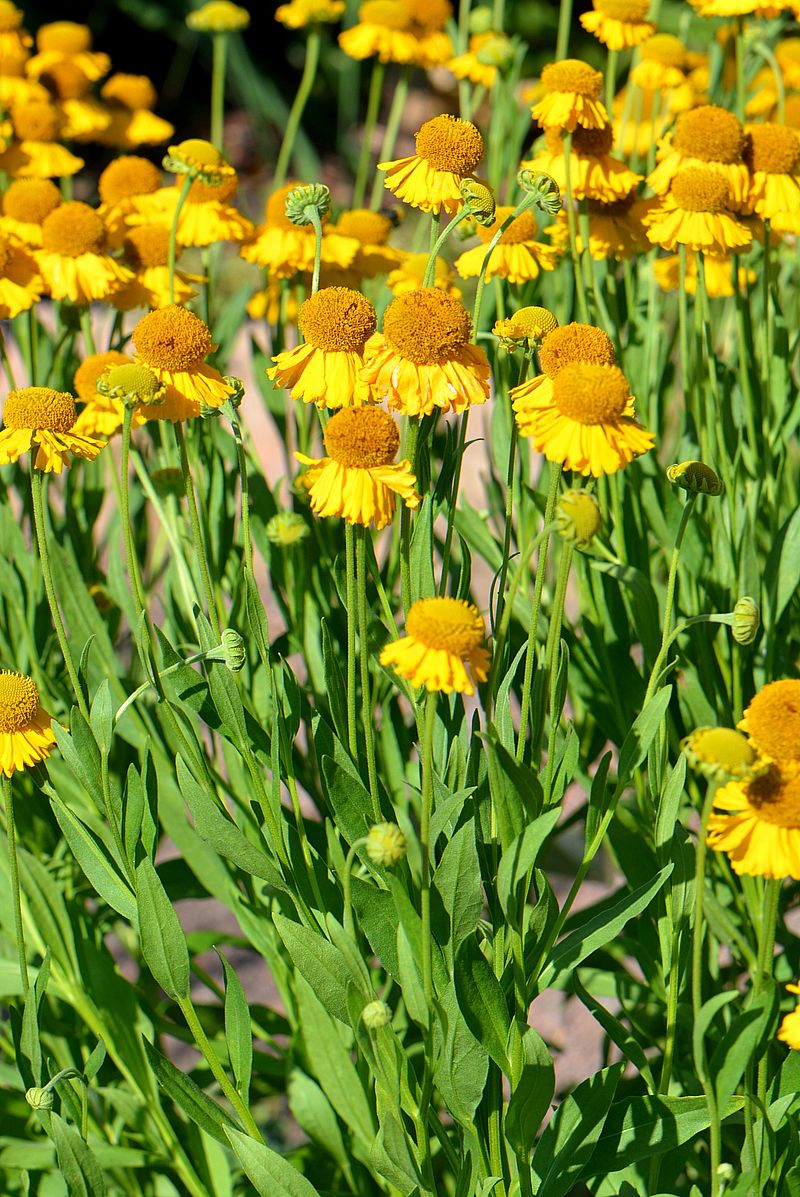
(527, 326)
(578, 518)
(376, 1015)
(132, 384)
(404, 31)
(127, 177)
(299, 13)
(720, 753)
(759, 827)
(696, 478)
(198, 158)
(173, 342)
(26, 205)
(101, 414)
(789, 1030)
(444, 646)
(572, 97)
(746, 620)
(26, 735)
(73, 260)
(448, 150)
(772, 720)
(575, 344)
(707, 136)
(218, 16)
(358, 479)
(43, 417)
(518, 256)
(286, 528)
(386, 844)
(697, 214)
(618, 24)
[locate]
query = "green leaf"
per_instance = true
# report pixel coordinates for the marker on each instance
(101, 718)
(458, 882)
(481, 1001)
(270, 1173)
(196, 1105)
(638, 740)
(76, 1160)
(314, 1113)
(788, 576)
(531, 1095)
(319, 962)
(93, 859)
(238, 1035)
(519, 859)
(739, 1043)
(568, 1141)
(162, 939)
(410, 969)
(461, 1065)
(423, 583)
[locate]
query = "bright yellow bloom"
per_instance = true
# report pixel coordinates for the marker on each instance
(410, 274)
(662, 63)
(527, 326)
(443, 648)
(448, 150)
(789, 1031)
(767, 9)
(518, 256)
(45, 418)
(83, 116)
(594, 173)
(704, 136)
(101, 415)
(480, 63)
(760, 827)
(373, 257)
(131, 99)
(173, 342)
(285, 249)
(14, 40)
(616, 229)
(569, 345)
(66, 41)
(73, 260)
(423, 360)
(572, 97)
(618, 24)
(359, 478)
(36, 152)
(590, 424)
(21, 284)
(26, 734)
(336, 323)
(720, 754)
(145, 251)
(206, 217)
(121, 184)
(218, 16)
(772, 720)
(696, 213)
(26, 205)
(299, 13)
(773, 155)
(410, 32)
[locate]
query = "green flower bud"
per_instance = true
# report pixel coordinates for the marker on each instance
(746, 620)
(199, 159)
(720, 754)
(40, 1099)
(543, 187)
(696, 478)
(479, 199)
(305, 197)
(498, 52)
(577, 517)
(238, 390)
(133, 384)
(287, 528)
(481, 19)
(376, 1015)
(233, 650)
(386, 844)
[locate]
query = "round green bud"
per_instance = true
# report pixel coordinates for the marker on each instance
(386, 844)
(376, 1015)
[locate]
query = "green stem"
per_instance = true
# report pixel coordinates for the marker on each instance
(12, 384)
(740, 56)
(13, 868)
(430, 269)
(697, 981)
(218, 1072)
(390, 134)
(317, 223)
(350, 567)
(197, 532)
(300, 100)
(367, 714)
(508, 529)
(580, 290)
(425, 848)
(766, 950)
(611, 79)
(564, 24)
(220, 47)
(453, 500)
(521, 207)
(405, 518)
(86, 329)
(551, 666)
(173, 234)
(244, 484)
(541, 564)
(768, 338)
(370, 120)
(49, 587)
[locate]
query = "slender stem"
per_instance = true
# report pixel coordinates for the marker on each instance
(367, 714)
(86, 329)
(134, 573)
(49, 587)
(300, 100)
(211, 1058)
(767, 281)
(173, 234)
(405, 518)
(367, 133)
(390, 134)
(425, 848)
(580, 290)
(611, 79)
(13, 868)
(453, 499)
(350, 567)
(521, 207)
(701, 852)
(220, 48)
(197, 532)
(317, 223)
(766, 950)
(12, 384)
(541, 565)
(244, 484)
(32, 347)
(740, 56)
(508, 529)
(551, 666)
(430, 269)
(564, 23)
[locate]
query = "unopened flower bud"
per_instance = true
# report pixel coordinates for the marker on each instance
(386, 844)
(199, 159)
(40, 1099)
(287, 528)
(479, 199)
(720, 754)
(696, 478)
(238, 390)
(218, 16)
(526, 327)
(132, 384)
(577, 517)
(209, 412)
(746, 620)
(497, 51)
(726, 1173)
(302, 199)
(233, 651)
(543, 187)
(376, 1015)
(481, 19)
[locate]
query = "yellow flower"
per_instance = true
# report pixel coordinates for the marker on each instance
(299, 13)
(527, 326)
(572, 97)
(73, 260)
(772, 720)
(479, 64)
(36, 153)
(590, 424)
(14, 40)
(618, 24)
(21, 284)
(336, 323)
(359, 478)
(569, 345)
(789, 1031)
(704, 136)
(773, 155)
(448, 150)
(410, 274)
(285, 249)
(443, 648)
(518, 256)
(26, 734)
(121, 184)
(373, 257)
(718, 271)
(760, 827)
(741, 8)
(199, 158)
(696, 213)
(66, 41)
(101, 415)
(205, 218)
(83, 115)
(616, 229)
(423, 360)
(145, 251)
(720, 754)
(173, 342)
(410, 32)
(218, 16)
(131, 99)
(45, 418)
(663, 63)
(577, 518)
(594, 173)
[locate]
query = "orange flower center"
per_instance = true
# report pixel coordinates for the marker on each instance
(591, 394)
(524, 228)
(775, 795)
(575, 343)
(19, 702)
(40, 408)
(446, 625)
(171, 338)
(449, 144)
(337, 319)
(203, 193)
(146, 246)
(572, 75)
(389, 13)
(36, 121)
(620, 207)
(88, 372)
(774, 149)
(362, 438)
(131, 91)
(664, 49)
(427, 326)
(701, 189)
(772, 721)
(6, 250)
(125, 177)
(66, 37)
(630, 11)
(66, 80)
(73, 229)
(31, 200)
(370, 228)
(710, 133)
(430, 14)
